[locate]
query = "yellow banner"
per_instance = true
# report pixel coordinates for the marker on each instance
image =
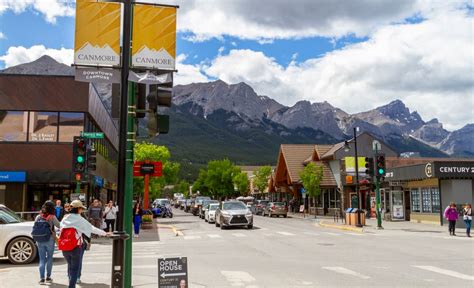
(97, 39)
(350, 164)
(154, 37)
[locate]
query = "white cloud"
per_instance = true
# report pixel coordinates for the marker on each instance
(50, 9)
(427, 65)
(2, 36)
(266, 20)
(188, 73)
(19, 55)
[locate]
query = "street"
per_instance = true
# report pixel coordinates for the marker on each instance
(279, 252)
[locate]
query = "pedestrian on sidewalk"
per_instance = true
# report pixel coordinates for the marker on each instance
(44, 236)
(467, 217)
(95, 214)
(59, 210)
(137, 218)
(451, 214)
(110, 214)
(73, 246)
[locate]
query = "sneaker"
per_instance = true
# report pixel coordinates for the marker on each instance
(49, 280)
(42, 282)
(78, 281)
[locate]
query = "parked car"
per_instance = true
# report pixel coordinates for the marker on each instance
(233, 213)
(158, 206)
(210, 212)
(195, 209)
(261, 206)
(16, 242)
(204, 206)
(276, 208)
(252, 207)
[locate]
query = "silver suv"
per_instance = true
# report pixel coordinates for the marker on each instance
(233, 213)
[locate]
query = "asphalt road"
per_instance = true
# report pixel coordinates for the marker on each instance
(280, 252)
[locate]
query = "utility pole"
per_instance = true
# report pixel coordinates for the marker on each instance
(119, 236)
(359, 207)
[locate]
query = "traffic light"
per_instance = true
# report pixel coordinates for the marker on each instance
(156, 96)
(141, 95)
(380, 168)
(79, 155)
(91, 158)
(369, 166)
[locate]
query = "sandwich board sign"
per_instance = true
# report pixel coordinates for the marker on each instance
(173, 272)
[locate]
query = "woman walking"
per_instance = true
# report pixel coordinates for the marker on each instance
(110, 214)
(44, 236)
(74, 228)
(467, 217)
(137, 218)
(451, 214)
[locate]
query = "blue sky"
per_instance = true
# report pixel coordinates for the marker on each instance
(356, 55)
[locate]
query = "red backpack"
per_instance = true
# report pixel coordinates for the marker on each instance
(68, 239)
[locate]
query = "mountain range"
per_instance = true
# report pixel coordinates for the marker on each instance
(220, 120)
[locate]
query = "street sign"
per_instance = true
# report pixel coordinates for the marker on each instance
(138, 171)
(147, 168)
(92, 135)
(173, 272)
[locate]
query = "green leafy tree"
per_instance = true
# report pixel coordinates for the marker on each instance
(311, 177)
(183, 187)
(261, 178)
(150, 152)
(241, 181)
(200, 184)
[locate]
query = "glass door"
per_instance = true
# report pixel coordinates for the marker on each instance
(398, 210)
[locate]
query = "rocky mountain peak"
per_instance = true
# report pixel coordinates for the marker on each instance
(45, 65)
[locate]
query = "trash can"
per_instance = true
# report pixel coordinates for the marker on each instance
(348, 216)
(354, 217)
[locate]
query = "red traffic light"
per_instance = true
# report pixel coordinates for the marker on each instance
(78, 177)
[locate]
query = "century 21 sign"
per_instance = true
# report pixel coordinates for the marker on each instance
(97, 35)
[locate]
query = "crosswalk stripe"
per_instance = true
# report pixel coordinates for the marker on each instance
(332, 234)
(285, 233)
(214, 236)
(238, 278)
(239, 235)
(191, 237)
(311, 233)
(346, 271)
(355, 234)
(446, 272)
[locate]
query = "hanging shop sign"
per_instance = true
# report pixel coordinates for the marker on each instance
(350, 164)
(97, 75)
(150, 77)
(154, 37)
(97, 37)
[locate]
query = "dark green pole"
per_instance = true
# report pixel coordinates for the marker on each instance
(129, 190)
(377, 201)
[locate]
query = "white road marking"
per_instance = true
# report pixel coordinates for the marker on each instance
(239, 235)
(191, 237)
(446, 272)
(286, 233)
(355, 234)
(457, 238)
(238, 278)
(346, 271)
(268, 234)
(331, 233)
(214, 236)
(311, 233)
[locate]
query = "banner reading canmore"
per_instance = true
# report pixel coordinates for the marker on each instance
(154, 37)
(97, 40)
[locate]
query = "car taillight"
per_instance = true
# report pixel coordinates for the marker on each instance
(259, 206)
(273, 207)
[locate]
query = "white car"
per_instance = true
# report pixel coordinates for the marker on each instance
(210, 213)
(16, 242)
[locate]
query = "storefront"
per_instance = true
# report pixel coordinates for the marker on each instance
(12, 188)
(419, 193)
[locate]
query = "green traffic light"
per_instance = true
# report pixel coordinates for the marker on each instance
(381, 171)
(80, 159)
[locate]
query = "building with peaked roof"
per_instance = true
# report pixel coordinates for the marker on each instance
(337, 191)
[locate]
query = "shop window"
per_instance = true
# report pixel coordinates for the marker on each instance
(436, 203)
(13, 126)
(426, 200)
(70, 125)
(415, 200)
(43, 127)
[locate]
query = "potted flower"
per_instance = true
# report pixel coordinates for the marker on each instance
(147, 220)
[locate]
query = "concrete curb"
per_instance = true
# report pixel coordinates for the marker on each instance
(341, 227)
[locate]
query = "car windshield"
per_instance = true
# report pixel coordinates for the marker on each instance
(213, 207)
(278, 204)
(200, 200)
(163, 202)
(234, 206)
(7, 216)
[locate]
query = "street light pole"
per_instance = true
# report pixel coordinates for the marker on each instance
(119, 236)
(359, 223)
